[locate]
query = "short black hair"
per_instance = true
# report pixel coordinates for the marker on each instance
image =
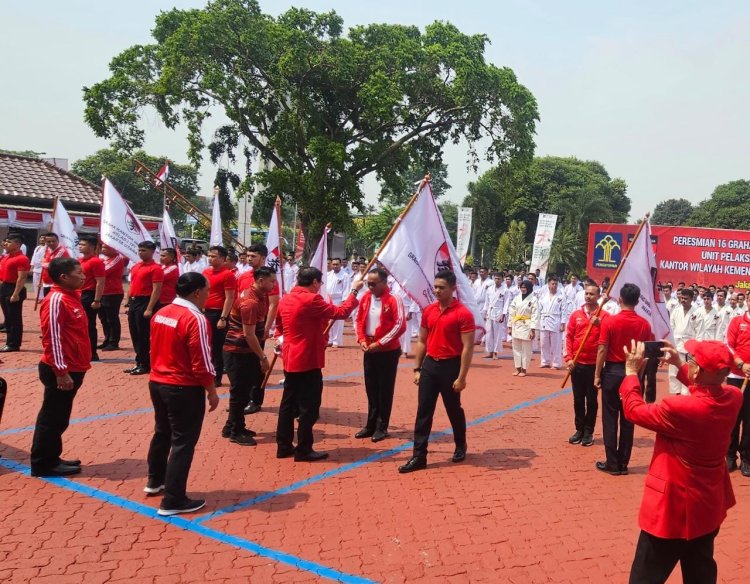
(687, 292)
(336, 259)
(666, 286)
(382, 274)
(171, 251)
(630, 294)
(220, 250)
(552, 278)
(189, 282)
(448, 276)
(592, 284)
(708, 294)
(90, 239)
(307, 275)
(61, 267)
(51, 234)
(147, 245)
(232, 256)
(259, 248)
(263, 272)
(14, 237)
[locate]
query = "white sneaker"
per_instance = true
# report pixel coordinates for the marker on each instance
(153, 490)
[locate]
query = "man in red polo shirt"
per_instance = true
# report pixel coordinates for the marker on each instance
(54, 251)
(14, 270)
(738, 340)
(616, 332)
(222, 290)
(380, 323)
(93, 285)
(585, 403)
(302, 319)
(141, 301)
(441, 362)
(65, 360)
(109, 314)
(688, 490)
(168, 260)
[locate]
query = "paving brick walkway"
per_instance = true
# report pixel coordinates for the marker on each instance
(525, 507)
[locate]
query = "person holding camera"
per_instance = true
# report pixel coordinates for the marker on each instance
(688, 490)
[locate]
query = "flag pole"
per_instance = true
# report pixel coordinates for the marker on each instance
(601, 306)
(277, 204)
(49, 228)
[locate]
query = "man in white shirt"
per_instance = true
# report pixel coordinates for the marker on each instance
(290, 273)
(725, 314)
(551, 302)
(481, 285)
(741, 306)
(495, 308)
(37, 260)
(708, 319)
(345, 267)
(243, 265)
(337, 286)
(191, 262)
(685, 326)
(669, 300)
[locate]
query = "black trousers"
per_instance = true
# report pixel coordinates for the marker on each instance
(52, 420)
(258, 393)
(437, 378)
(140, 330)
(87, 298)
(217, 341)
(740, 441)
(655, 558)
(109, 315)
(178, 413)
(647, 380)
(585, 399)
(243, 370)
(380, 382)
(13, 314)
(613, 418)
(303, 392)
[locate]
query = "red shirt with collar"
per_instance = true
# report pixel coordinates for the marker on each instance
(143, 276)
(302, 318)
(392, 321)
(578, 324)
(738, 339)
(169, 285)
(181, 346)
(49, 255)
(247, 279)
(65, 333)
(250, 309)
(219, 281)
(114, 268)
(11, 264)
(93, 268)
(619, 330)
(444, 329)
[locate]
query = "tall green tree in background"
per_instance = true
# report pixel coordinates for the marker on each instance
(672, 212)
(325, 109)
(512, 247)
(407, 183)
(728, 207)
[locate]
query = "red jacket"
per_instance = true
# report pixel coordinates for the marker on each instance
(49, 255)
(302, 318)
(392, 321)
(688, 490)
(738, 339)
(65, 332)
(181, 346)
(577, 327)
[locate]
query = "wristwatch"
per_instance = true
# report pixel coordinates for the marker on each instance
(222, 318)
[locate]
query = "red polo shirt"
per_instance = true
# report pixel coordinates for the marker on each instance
(11, 264)
(219, 280)
(143, 276)
(619, 330)
(49, 255)
(444, 329)
(576, 330)
(169, 285)
(93, 268)
(738, 339)
(114, 268)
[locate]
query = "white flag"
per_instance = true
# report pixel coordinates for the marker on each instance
(273, 243)
(545, 233)
(163, 174)
(463, 233)
(320, 261)
(120, 228)
(65, 230)
(167, 235)
(640, 268)
(419, 249)
(217, 237)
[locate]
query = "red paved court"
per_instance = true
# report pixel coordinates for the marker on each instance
(525, 507)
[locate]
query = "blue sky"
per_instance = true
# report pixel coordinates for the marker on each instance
(656, 91)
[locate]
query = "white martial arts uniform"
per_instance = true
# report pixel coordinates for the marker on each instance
(524, 318)
(685, 326)
(337, 286)
(550, 320)
(496, 324)
(708, 324)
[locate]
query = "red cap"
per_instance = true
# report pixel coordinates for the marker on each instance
(711, 356)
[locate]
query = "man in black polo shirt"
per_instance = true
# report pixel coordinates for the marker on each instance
(441, 363)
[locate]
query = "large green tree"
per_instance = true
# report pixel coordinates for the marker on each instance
(728, 207)
(322, 108)
(512, 247)
(399, 193)
(672, 212)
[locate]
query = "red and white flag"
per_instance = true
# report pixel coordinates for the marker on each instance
(217, 237)
(300, 248)
(421, 247)
(121, 229)
(63, 226)
(320, 261)
(168, 237)
(273, 243)
(163, 174)
(640, 268)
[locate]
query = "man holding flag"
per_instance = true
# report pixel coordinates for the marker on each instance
(54, 251)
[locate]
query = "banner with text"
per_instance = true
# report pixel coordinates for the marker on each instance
(120, 228)
(463, 233)
(683, 254)
(545, 233)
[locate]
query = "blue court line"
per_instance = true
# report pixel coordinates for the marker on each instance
(372, 458)
(100, 417)
(193, 527)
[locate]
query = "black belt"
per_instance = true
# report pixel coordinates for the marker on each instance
(442, 359)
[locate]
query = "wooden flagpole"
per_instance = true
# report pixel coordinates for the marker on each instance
(49, 228)
(601, 306)
(277, 204)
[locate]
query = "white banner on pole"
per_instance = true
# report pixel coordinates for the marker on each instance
(216, 238)
(273, 243)
(63, 227)
(545, 233)
(463, 233)
(320, 261)
(120, 228)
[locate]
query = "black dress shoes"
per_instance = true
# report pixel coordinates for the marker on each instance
(102, 345)
(731, 464)
(311, 456)
(130, 369)
(576, 438)
(587, 440)
(745, 469)
(379, 435)
(414, 463)
(252, 409)
(9, 349)
(61, 470)
(140, 371)
(364, 433)
(74, 462)
(284, 452)
(460, 454)
(604, 467)
(110, 348)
